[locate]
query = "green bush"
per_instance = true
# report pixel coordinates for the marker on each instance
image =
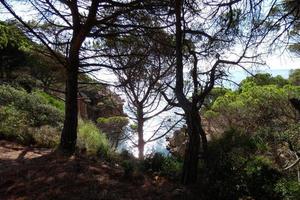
(46, 136)
(36, 109)
(289, 189)
(123, 121)
(91, 139)
(113, 127)
(261, 178)
(27, 118)
(233, 171)
(172, 167)
(153, 162)
(13, 125)
(168, 166)
(36, 118)
(59, 104)
(126, 155)
(129, 167)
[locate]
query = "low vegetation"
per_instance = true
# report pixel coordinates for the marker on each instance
(36, 119)
(92, 140)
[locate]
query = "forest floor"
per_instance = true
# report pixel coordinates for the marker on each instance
(28, 173)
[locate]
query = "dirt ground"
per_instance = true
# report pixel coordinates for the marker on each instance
(37, 174)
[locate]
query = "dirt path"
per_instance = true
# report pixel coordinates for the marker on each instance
(33, 173)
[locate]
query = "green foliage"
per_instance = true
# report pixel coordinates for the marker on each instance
(13, 125)
(154, 162)
(129, 167)
(13, 49)
(92, 140)
(113, 120)
(246, 159)
(45, 136)
(36, 118)
(213, 95)
(113, 127)
(45, 69)
(255, 107)
(294, 77)
(261, 178)
(37, 112)
(265, 79)
(11, 36)
(233, 171)
(168, 166)
(59, 104)
(27, 118)
(289, 189)
(172, 167)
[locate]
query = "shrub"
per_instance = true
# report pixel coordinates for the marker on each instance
(27, 118)
(168, 166)
(27, 82)
(13, 125)
(233, 171)
(37, 112)
(113, 127)
(171, 167)
(46, 136)
(289, 189)
(128, 166)
(154, 162)
(126, 155)
(44, 114)
(59, 104)
(261, 178)
(91, 139)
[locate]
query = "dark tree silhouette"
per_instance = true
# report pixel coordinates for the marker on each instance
(296, 104)
(210, 37)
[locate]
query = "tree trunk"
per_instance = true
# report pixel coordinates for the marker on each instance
(2, 70)
(141, 146)
(140, 131)
(69, 132)
(190, 165)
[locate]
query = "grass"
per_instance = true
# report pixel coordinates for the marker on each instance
(91, 139)
(59, 104)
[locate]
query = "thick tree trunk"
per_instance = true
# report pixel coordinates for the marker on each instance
(140, 131)
(141, 146)
(190, 165)
(69, 132)
(2, 70)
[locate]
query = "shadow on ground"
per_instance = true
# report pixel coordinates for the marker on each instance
(31, 173)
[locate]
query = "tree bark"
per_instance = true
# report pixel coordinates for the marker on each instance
(190, 165)
(69, 132)
(193, 120)
(140, 130)
(141, 146)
